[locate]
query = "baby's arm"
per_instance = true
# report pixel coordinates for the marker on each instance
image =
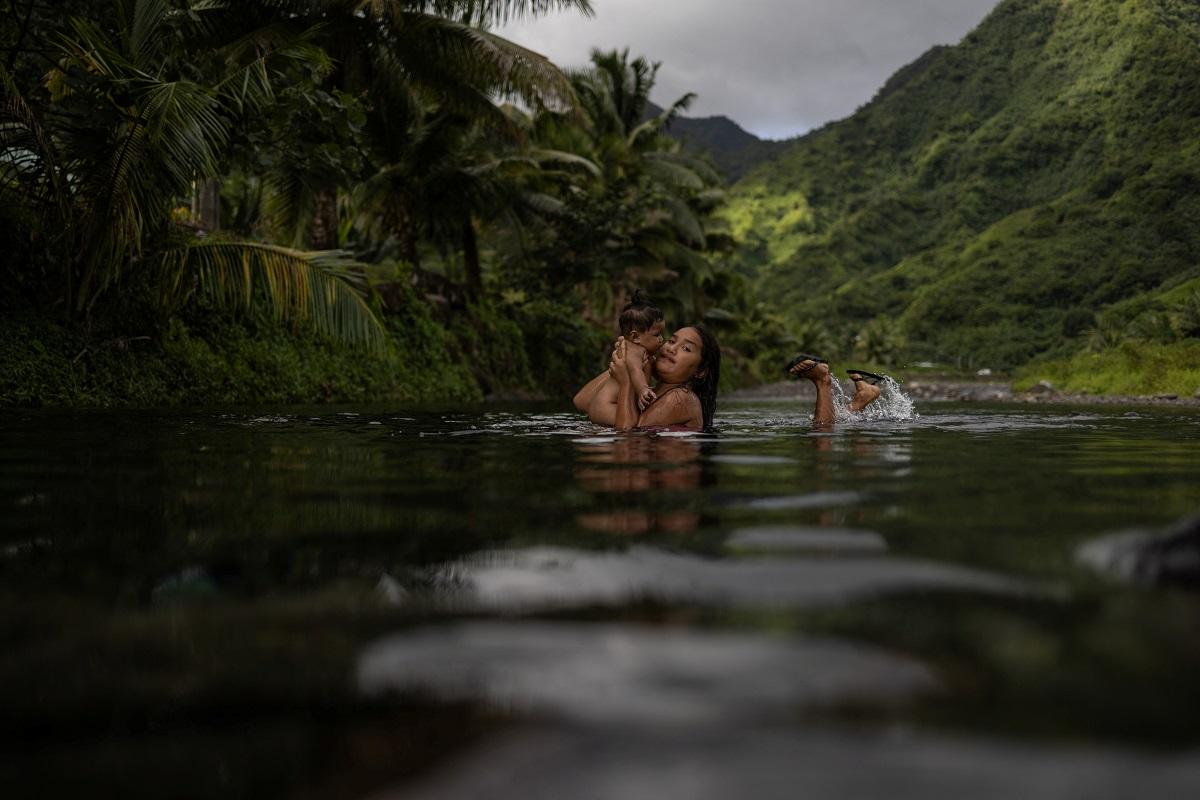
(640, 378)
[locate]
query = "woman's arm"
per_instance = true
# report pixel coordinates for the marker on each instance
(627, 410)
(583, 398)
(603, 408)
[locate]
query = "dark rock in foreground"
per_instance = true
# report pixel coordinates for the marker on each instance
(1169, 557)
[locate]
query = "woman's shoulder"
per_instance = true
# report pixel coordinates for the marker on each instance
(679, 395)
(678, 405)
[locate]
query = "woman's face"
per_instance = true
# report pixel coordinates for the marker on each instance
(679, 357)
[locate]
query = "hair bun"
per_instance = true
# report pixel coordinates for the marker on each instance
(639, 299)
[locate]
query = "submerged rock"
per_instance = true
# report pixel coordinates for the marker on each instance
(1167, 557)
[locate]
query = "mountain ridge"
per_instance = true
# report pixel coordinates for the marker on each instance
(735, 150)
(1049, 163)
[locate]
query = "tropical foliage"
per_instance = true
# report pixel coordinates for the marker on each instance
(311, 161)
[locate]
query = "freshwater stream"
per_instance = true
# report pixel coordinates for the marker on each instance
(371, 602)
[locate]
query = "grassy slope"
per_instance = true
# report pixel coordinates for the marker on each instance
(996, 194)
(1132, 368)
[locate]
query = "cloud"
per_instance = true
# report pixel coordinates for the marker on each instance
(777, 67)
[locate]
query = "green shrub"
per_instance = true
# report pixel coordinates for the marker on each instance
(209, 359)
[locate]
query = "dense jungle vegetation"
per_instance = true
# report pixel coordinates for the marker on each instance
(1032, 193)
(294, 200)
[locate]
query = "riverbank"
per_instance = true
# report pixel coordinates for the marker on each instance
(939, 389)
(213, 361)
(464, 356)
(436, 352)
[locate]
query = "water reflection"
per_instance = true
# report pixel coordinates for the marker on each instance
(637, 465)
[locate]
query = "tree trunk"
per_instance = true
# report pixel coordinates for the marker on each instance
(406, 235)
(206, 204)
(323, 234)
(470, 246)
(12, 56)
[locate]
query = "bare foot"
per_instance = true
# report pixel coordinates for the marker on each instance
(865, 393)
(815, 371)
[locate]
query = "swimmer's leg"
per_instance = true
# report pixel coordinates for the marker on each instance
(818, 373)
(865, 392)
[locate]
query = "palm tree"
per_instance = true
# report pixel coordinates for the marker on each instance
(127, 127)
(655, 201)
(409, 56)
(444, 174)
(132, 118)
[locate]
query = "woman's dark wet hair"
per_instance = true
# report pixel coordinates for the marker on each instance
(708, 375)
(639, 315)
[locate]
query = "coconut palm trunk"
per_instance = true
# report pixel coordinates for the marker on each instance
(323, 235)
(470, 245)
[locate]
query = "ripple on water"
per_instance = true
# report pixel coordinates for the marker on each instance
(704, 762)
(795, 538)
(632, 674)
(750, 460)
(796, 502)
(554, 578)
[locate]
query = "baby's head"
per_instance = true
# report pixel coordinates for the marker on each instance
(642, 323)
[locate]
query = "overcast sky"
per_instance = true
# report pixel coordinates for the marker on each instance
(776, 67)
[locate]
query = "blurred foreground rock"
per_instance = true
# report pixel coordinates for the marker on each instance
(1164, 557)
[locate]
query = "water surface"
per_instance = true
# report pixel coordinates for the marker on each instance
(378, 602)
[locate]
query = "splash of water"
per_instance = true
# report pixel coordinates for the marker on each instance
(893, 404)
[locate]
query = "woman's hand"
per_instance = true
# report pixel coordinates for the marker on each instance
(618, 367)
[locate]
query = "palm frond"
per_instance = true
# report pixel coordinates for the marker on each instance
(144, 22)
(656, 124)
(686, 223)
(672, 173)
(25, 147)
(477, 12)
(289, 203)
(543, 203)
(323, 289)
(439, 53)
(543, 156)
(250, 84)
(184, 123)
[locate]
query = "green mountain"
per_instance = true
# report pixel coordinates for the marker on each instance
(735, 150)
(1001, 199)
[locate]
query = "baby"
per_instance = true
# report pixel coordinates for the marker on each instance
(641, 326)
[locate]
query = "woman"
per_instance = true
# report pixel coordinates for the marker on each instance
(688, 369)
